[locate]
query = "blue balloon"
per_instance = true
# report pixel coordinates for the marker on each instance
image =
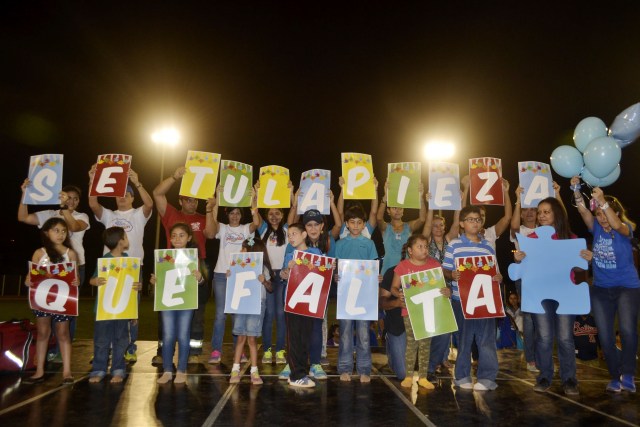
(593, 181)
(587, 130)
(626, 126)
(566, 161)
(602, 155)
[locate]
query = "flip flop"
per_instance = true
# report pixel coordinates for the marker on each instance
(32, 380)
(68, 380)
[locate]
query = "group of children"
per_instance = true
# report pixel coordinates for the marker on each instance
(302, 355)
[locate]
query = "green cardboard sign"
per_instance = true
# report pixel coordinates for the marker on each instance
(404, 185)
(176, 286)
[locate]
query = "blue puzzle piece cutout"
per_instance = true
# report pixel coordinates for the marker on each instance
(546, 273)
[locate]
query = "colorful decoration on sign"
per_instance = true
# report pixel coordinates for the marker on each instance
(357, 171)
(536, 182)
(479, 294)
(430, 312)
(45, 174)
(444, 186)
(485, 174)
(404, 185)
(111, 175)
(314, 191)
(308, 286)
(358, 289)
(117, 299)
(236, 179)
(244, 290)
(202, 173)
(274, 191)
(51, 288)
(176, 286)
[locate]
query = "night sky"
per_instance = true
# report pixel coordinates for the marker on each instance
(296, 84)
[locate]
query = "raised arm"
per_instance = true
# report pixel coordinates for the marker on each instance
(255, 214)
(426, 230)
(293, 216)
(556, 194)
(340, 204)
(213, 215)
(584, 212)
(95, 206)
(503, 223)
(23, 210)
(465, 182)
(517, 210)
(210, 227)
(454, 230)
(146, 198)
(161, 190)
(417, 223)
(335, 231)
(382, 207)
(612, 217)
(373, 213)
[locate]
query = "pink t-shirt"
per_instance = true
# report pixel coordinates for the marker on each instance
(407, 267)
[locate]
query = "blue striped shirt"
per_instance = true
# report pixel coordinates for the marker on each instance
(463, 247)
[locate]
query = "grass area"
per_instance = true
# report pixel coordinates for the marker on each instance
(18, 308)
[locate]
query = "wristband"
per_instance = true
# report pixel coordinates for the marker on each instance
(139, 185)
(605, 206)
(575, 187)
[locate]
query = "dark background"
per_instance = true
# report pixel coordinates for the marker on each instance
(297, 83)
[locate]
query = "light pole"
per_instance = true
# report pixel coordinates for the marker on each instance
(438, 150)
(166, 137)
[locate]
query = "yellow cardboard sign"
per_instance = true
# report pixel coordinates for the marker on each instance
(274, 191)
(202, 174)
(117, 299)
(357, 171)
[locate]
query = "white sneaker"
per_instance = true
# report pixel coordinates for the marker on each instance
(480, 387)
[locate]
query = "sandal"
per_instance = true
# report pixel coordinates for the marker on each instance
(68, 380)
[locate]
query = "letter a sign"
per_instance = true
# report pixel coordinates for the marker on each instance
(308, 286)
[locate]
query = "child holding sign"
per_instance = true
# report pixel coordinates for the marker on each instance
(472, 243)
(56, 247)
(176, 324)
(110, 334)
(415, 258)
(249, 326)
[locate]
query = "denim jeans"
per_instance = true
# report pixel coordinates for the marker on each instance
(484, 333)
(363, 351)
(528, 332)
(176, 325)
(548, 325)
(274, 310)
(605, 302)
(439, 347)
(109, 335)
(396, 348)
(220, 292)
(197, 323)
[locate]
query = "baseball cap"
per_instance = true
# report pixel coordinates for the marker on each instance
(312, 215)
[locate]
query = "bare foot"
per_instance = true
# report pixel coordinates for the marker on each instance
(165, 378)
(181, 377)
(95, 379)
(116, 379)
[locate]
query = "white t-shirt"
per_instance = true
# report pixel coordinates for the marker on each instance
(133, 222)
(75, 236)
(231, 239)
(276, 253)
(525, 231)
(490, 236)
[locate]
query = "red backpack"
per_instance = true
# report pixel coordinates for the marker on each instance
(17, 345)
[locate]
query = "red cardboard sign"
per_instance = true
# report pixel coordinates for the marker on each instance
(485, 188)
(479, 294)
(112, 175)
(51, 290)
(308, 286)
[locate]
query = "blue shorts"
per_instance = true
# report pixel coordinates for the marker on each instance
(249, 325)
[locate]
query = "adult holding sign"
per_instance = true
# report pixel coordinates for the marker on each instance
(56, 248)
(231, 236)
(550, 323)
(202, 228)
(396, 232)
(133, 221)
